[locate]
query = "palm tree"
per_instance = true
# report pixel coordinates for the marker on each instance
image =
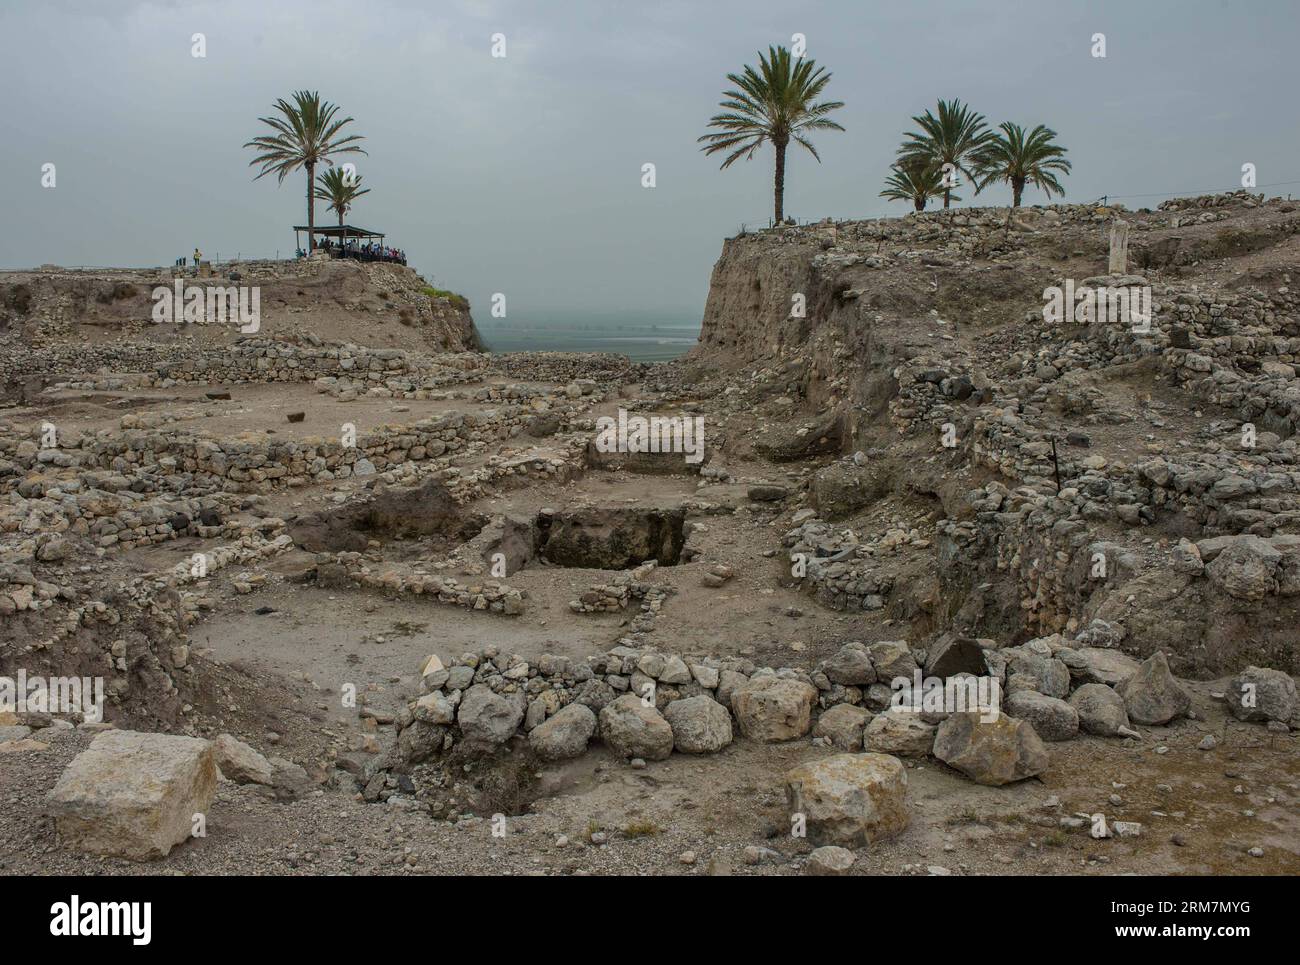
(956, 137)
(1019, 159)
(339, 190)
(306, 134)
(774, 104)
(916, 182)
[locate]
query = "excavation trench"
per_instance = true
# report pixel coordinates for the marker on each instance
(611, 539)
(427, 519)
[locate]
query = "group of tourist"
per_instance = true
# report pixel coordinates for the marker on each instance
(362, 252)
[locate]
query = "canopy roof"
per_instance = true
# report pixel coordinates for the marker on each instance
(340, 231)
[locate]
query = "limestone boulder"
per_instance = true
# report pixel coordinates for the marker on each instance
(900, 732)
(991, 749)
(773, 709)
(829, 861)
(1153, 695)
(632, 729)
(1260, 694)
(240, 763)
(842, 725)
(1097, 665)
(1052, 718)
(891, 660)
(1246, 568)
(700, 724)
(565, 734)
(1100, 709)
(489, 718)
(849, 799)
(134, 795)
(850, 666)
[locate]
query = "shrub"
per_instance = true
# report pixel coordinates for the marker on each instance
(458, 301)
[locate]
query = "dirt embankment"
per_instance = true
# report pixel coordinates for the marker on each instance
(384, 305)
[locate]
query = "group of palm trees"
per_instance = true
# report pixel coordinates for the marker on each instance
(777, 104)
(306, 136)
(957, 142)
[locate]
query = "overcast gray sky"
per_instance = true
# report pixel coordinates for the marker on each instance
(523, 174)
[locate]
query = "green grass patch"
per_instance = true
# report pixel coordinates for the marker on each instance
(460, 301)
(642, 829)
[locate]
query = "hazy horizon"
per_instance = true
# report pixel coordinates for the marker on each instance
(522, 174)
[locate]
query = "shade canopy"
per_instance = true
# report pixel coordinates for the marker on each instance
(340, 231)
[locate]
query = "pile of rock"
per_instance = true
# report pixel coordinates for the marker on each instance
(834, 566)
(354, 569)
(645, 704)
(1226, 199)
(603, 597)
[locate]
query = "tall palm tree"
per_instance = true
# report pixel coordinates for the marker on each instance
(306, 134)
(916, 182)
(956, 137)
(335, 187)
(777, 104)
(1019, 159)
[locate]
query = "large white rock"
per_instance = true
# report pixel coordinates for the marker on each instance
(565, 735)
(700, 724)
(773, 709)
(990, 751)
(134, 795)
(842, 725)
(1098, 665)
(632, 729)
(849, 798)
(490, 718)
(900, 732)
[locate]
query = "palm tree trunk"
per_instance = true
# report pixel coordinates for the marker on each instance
(779, 181)
(1017, 188)
(919, 202)
(947, 197)
(311, 208)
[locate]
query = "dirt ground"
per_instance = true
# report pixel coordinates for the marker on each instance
(1201, 811)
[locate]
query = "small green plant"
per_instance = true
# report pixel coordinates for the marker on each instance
(460, 301)
(642, 829)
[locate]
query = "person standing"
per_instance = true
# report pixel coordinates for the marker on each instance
(197, 256)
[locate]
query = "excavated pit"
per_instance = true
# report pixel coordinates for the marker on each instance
(391, 514)
(611, 539)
